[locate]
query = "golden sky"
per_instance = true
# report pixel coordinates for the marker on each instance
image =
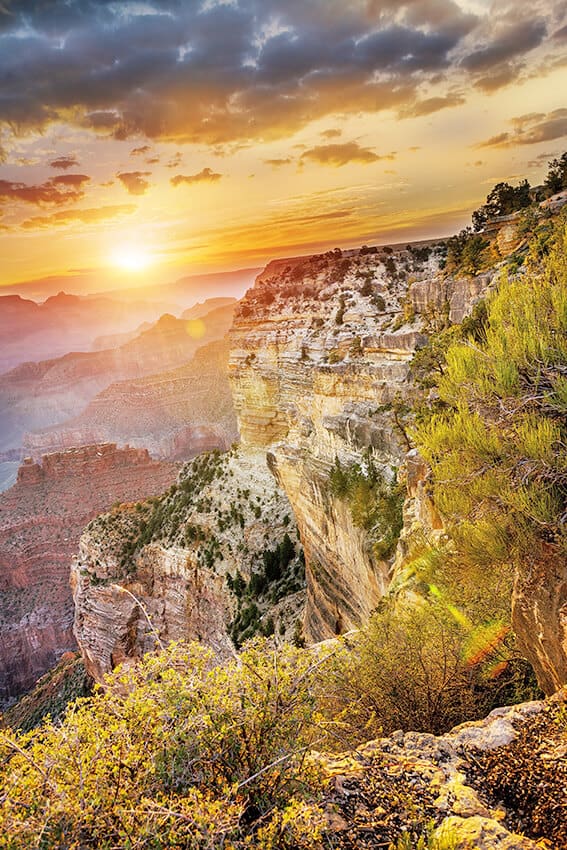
(141, 141)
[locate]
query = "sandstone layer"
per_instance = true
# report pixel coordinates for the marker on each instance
(41, 520)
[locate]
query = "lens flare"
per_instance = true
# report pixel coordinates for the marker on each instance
(196, 329)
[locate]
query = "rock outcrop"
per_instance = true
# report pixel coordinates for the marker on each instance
(486, 785)
(175, 567)
(41, 519)
(320, 362)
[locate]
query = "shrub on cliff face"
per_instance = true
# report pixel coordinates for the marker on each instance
(498, 448)
(375, 503)
(420, 665)
(174, 753)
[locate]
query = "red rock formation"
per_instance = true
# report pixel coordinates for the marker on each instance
(41, 519)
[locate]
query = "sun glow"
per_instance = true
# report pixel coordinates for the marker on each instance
(132, 258)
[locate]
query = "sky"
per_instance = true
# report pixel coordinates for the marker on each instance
(142, 141)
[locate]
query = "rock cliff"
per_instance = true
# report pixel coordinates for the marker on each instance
(321, 349)
(41, 519)
(177, 567)
(494, 784)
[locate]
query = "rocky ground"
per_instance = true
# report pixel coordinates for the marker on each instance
(499, 783)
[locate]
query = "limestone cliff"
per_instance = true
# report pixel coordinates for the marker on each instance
(41, 519)
(320, 363)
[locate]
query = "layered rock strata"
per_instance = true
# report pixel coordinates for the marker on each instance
(176, 567)
(320, 363)
(41, 520)
(175, 414)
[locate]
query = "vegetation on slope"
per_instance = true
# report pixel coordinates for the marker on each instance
(497, 441)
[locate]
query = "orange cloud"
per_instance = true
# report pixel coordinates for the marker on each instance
(530, 129)
(64, 189)
(86, 216)
(134, 181)
(276, 163)
(65, 162)
(341, 154)
(430, 105)
(206, 175)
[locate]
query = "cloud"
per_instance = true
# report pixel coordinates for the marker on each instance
(143, 149)
(276, 163)
(516, 40)
(206, 175)
(134, 181)
(342, 153)
(175, 160)
(63, 189)
(65, 162)
(430, 105)
(530, 130)
(86, 216)
(219, 73)
(331, 133)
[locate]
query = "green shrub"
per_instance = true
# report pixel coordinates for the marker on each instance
(173, 753)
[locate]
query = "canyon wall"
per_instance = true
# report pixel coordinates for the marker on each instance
(41, 519)
(320, 360)
(35, 396)
(176, 567)
(175, 414)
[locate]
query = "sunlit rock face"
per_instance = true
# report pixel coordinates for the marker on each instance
(320, 358)
(41, 519)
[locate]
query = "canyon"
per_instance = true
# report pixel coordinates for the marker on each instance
(320, 354)
(34, 396)
(175, 414)
(317, 371)
(41, 520)
(320, 367)
(62, 323)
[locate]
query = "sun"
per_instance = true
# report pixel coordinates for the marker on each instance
(132, 258)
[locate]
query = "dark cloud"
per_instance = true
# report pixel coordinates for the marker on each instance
(141, 151)
(331, 133)
(531, 130)
(134, 181)
(430, 105)
(342, 153)
(206, 175)
(87, 216)
(516, 40)
(64, 189)
(220, 73)
(65, 162)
